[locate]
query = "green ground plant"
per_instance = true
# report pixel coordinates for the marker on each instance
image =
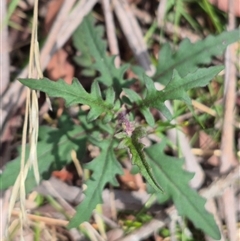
(111, 127)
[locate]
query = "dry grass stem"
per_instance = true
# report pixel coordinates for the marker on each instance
(212, 208)
(142, 15)
(111, 32)
(133, 33)
(4, 202)
(112, 204)
(66, 206)
(93, 234)
(77, 163)
(75, 18)
(100, 223)
(228, 159)
(4, 55)
(203, 108)
(48, 48)
(217, 188)
(161, 12)
(200, 152)
(46, 220)
(30, 129)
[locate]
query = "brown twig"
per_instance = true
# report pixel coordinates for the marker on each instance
(142, 15)
(228, 159)
(111, 33)
(133, 34)
(46, 220)
(73, 21)
(48, 48)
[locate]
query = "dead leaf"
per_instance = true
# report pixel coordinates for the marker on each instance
(128, 180)
(63, 175)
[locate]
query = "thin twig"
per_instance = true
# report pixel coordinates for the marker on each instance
(142, 15)
(30, 129)
(67, 207)
(182, 33)
(161, 12)
(73, 21)
(46, 220)
(212, 208)
(228, 159)
(133, 33)
(203, 108)
(200, 152)
(47, 49)
(4, 201)
(4, 55)
(218, 187)
(111, 32)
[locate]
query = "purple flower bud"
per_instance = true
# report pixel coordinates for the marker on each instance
(126, 124)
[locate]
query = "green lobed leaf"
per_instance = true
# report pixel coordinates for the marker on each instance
(189, 55)
(138, 157)
(91, 35)
(74, 94)
(176, 89)
(84, 59)
(174, 180)
(104, 167)
(53, 153)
